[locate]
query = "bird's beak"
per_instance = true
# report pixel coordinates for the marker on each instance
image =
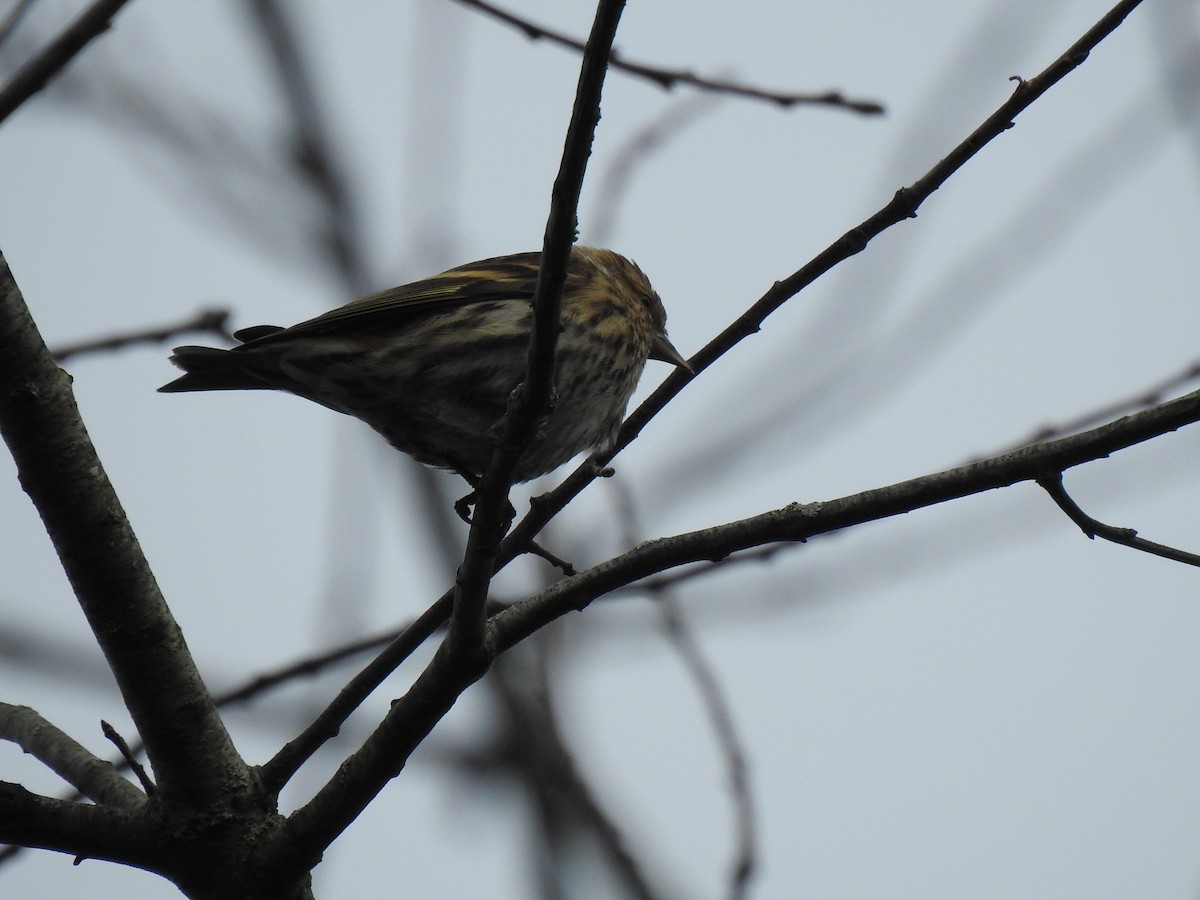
(664, 351)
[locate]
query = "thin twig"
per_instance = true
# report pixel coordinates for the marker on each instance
(563, 565)
(312, 665)
(1126, 537)
(56, 55)
(669, 78)
(208, 321)
(131, 762)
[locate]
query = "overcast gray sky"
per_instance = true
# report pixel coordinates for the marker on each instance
(973, 700)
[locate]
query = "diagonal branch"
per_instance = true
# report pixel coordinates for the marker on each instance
(284, 764)
(799, 522)
(669, 78)
(36, 74)
(95, 778)
(902, 206)
(192, 754)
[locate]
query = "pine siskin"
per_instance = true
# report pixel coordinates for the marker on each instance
(431, 365)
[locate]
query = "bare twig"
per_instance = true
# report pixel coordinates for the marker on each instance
(36, 73)
(669, 78)
(131, 762)
(209, 321)
(312, 665)
(563, 565)
(1126, 537)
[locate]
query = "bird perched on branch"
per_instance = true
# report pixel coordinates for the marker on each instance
(431, 365)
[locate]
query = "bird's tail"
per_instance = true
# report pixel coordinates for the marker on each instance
(211, 369)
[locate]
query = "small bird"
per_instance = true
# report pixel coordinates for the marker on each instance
(431, 365)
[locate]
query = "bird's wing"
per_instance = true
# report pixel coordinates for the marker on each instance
(498, 278)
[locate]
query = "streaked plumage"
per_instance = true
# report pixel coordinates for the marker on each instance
(430, 365)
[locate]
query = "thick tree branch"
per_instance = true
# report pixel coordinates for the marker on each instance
(191, 752)
(81, 829)
(36, 74)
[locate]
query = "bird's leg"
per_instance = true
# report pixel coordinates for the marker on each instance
(463, 505)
